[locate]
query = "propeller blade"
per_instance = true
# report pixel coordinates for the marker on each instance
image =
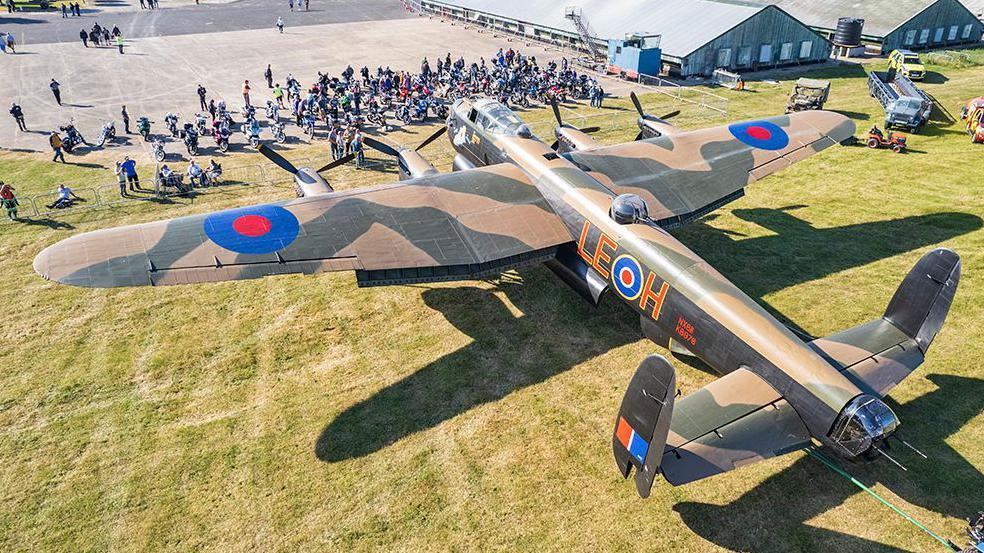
(637, 103)
(589, 130)
(556, 112)
(278, 159)
(337, 162)
(381, 147)
(671, 114)
(432, 138)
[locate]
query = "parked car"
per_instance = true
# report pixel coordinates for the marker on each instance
(907, 63)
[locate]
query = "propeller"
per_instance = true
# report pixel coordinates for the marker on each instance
(277, 159)
(642, 112)
(560, 120)
(337, 162)
(432, 138)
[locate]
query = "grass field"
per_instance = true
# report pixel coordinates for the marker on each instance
(302, 413)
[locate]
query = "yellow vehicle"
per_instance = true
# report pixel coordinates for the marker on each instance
(973, 116)
(907, 63)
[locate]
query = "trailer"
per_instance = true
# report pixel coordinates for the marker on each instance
(906, 106)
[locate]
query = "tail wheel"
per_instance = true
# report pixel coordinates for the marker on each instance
(873, 142)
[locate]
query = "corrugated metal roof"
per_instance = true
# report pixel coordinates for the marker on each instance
(976, 6)
(880, 16)
(685, 25)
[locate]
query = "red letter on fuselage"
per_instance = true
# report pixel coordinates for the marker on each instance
(580, 242)
(650, 295)
(602, 256)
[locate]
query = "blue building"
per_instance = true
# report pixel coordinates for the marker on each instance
(636, 53)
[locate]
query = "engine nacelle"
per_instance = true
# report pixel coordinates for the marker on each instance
(308, 182)
(413, 165)
(461, 163)
(570, 139)
(651, 126)
(573, 270)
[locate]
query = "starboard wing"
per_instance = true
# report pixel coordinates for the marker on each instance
(453, 226)
(689, 174)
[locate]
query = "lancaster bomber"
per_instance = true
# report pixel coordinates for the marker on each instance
(599, 217)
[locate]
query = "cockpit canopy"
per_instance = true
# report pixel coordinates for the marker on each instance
(498, 119)
(864, 423)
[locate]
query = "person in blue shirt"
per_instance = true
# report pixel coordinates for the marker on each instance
(129, 167)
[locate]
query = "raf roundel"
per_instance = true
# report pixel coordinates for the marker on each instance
(760, 134)
(254, 230)
(627, 277)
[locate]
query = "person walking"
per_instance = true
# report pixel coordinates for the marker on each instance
(290, 4)
(8, 200)
(212, 109)
(55, 87)
(280, 24)
(18, 114)
(278, 95)
(269, 76)
(56, 146)
(119, 42)
(201, 97)
(126, 120)
(85, 37)
(130, 168)
(246, 92)
(307, 5)
(64, 11)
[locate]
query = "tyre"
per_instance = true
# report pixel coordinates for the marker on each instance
(310, 132)
(896, 148)
(224, 146)
(281, 138)
(159, 156)
(873, 143)
(254, 142)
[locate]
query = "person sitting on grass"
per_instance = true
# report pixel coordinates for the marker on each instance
(65, 198)
(8, 200)
(195, 174)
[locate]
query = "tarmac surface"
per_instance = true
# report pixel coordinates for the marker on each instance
(47, 28)
(161, 73)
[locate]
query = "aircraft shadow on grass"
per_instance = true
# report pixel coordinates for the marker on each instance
(944, 483)
(498, 362)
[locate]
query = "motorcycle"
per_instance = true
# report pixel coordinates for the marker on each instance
(272, 111)
(72, 137)
(171, 121)
(376, 116)
(251, 128)
(278, 132)
(190, 137)
(143, 127)
(249, 113)
(440, 108)
(157, 147)
(221, 134)
(108, 133)
(201, 123)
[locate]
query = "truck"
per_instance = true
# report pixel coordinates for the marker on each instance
(808, 94)
(906, 106)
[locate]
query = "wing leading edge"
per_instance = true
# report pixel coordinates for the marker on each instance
(444, 227)
(689, 174)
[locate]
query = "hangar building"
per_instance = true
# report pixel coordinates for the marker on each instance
(911, 24)
(697, 36)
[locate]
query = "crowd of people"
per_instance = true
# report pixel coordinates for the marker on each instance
(340, 104)
(102, 36)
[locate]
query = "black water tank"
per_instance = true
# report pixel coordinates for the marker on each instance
(848, 31)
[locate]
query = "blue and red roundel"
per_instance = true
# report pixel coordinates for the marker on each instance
(256, 230)
(627, 277)
(760, 134)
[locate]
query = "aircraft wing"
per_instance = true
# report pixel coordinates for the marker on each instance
(687, 175)
(454, 226)
(734, 421)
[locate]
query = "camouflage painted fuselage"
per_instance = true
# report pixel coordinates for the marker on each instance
(679, 296)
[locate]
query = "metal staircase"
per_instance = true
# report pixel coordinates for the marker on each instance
(584, 31)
